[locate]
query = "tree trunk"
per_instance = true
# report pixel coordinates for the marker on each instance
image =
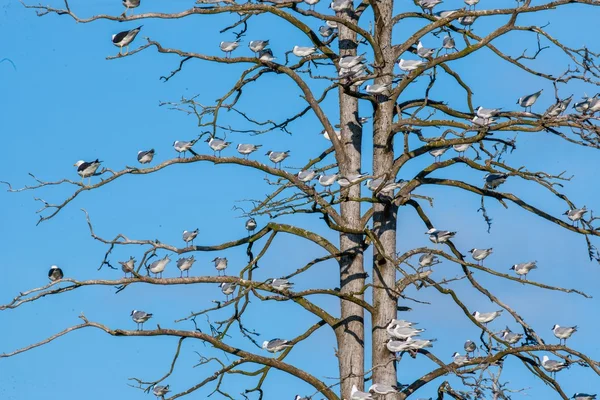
(351, 332)
(384, 217)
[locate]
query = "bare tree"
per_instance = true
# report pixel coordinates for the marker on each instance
(350, 50)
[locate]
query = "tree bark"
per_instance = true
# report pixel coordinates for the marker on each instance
(351, 332)
(384, 217)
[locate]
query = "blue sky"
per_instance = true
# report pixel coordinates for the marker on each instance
(65, 102)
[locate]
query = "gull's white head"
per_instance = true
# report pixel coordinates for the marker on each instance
(78, 163)
(54, 267)
(133, 312)
(544, 359)
(354, 389)
(265, 344)
(555, 326)
(456, 354)
(113, 37)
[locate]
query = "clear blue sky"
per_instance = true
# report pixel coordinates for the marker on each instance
(65, 102)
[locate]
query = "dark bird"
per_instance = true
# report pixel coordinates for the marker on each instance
(86, 169)
(124, 39)
(55, 273)
(144, 157)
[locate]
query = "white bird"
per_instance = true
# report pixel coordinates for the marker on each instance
(331, 24)
(576, 214)
(470, 347)
(480, 254)
(553, 366)
(487, 113)
(189, 236)
(485, 318)
(127, 266)
(429, 4)
(493, 180)
(144, 157)
(266, 55)
(55, 273)
(251, 225)
(87, 169)
(529, 100)
(437, 236)
(325, 134)
(258, 45)
(424, 52)
(306, 175)
(311, 3)
(448, 43)
(410, 65)
(384, 187)
(220, 264)
(584, 396)
(377, 88)
(276, 345)
(460, 360)
(181, 146)
(301, 51)
(438, 153)
(477, 120)
(327, 180)
(228, 47)
(467, 20)
(184, 264)
(563, 332)
(523, 269)
(247, 149)
(383, 389)
(350, 61)
(510, 337)
(356, 394)
(558, 108)
(158, 266)
(461, 148)
(350, 179)
(403, 323)
(427, 260)
(124, 39)
(227, 288)
(340, 5)
(160, 391)
(402, 333)
(278, 156)
(217, 145)
(397, 346)
(280, 284)
(139, 317)
(325, 31)
(417, 344)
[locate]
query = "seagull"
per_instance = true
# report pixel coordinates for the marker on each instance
(461, 148)
(438, 153)
(403, 323)
(350, 61)
(55, 273)
(278, 156)
(594, 104)
(448, 43)
(460, 360)
(377, 88)
(584, 396)
(276, 345)
(220, 264)
(523, 269)
(144, 157)
(467, 20)
(383, 389)
(160, 391)
(558, 108)
(247, 149)
(87, 169)
(306, 175)
(325, 134)
(429, 4)
(387, 187)
(563, 332)
(301, 51)
(529, 100)
(340, 5)
(424, 52)
(280, 284)
(427, 260)
(480, 254)
(471, 3)
(139, 317)
(158, 266)
(486, 113)
(190, 236)
(402, 333)
(575, 214)
(181, 146)
(477, 120)
(350, 179)
(130, 4)
(470, 347)
(124, 39)
(437, 236)
(266, 55)
(258, 45)
(397, 346)
(184, 264)
(327, 180)
(127, 266)
(311, 3)
(410, 65)
(584, 105)
(217, 145)
(250, 225)
(298, 397)
(228, 47)
(331, 24)
(493, 180)
(227, 288)
(419, 343)
(485, 318)
(325, 31)
(553, 366)
(356, 394)
(510, 337)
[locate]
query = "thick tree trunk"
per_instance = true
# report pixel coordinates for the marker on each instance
(384, 217)
(350, 333)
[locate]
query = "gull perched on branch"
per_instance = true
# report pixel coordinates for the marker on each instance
(229, 47)
(480, 254)
(139, 317)
(340, 5)
(266, 55)
(227, 288)
(130, 4)
(127, 266)
(311, 3)
(124, 39)
(563, 332)
(424, 52)
(460, 360)
(327, 180)
(278, 156)
(576, 214)
(383, 389)
(350, 179)
(510, 337)
(427, 260)
(558, 108)
(280, 284)
(487, 113)
(158, 266)
(410, 65)
(584, 396)
(87, 169)
(258, 45)
(493, 180)
(55, 273)
(182, 146)
(251, 225)
(485, 318)
(184, 264)
(160, 391)
(553, 366)
(470, 347)
(325, 31)
(301, 51)
(523, 269)
(461, 148)
(217, 145)
(438, 153)
(437, 236)
(306, 176)
(529, 100)
(448, 43)
(190, 236)
(144, 157)
(247, 149)
(350, 61)
(276, 345)
(427, 5)
(220, 264)
(356, 394)
(325, 134)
